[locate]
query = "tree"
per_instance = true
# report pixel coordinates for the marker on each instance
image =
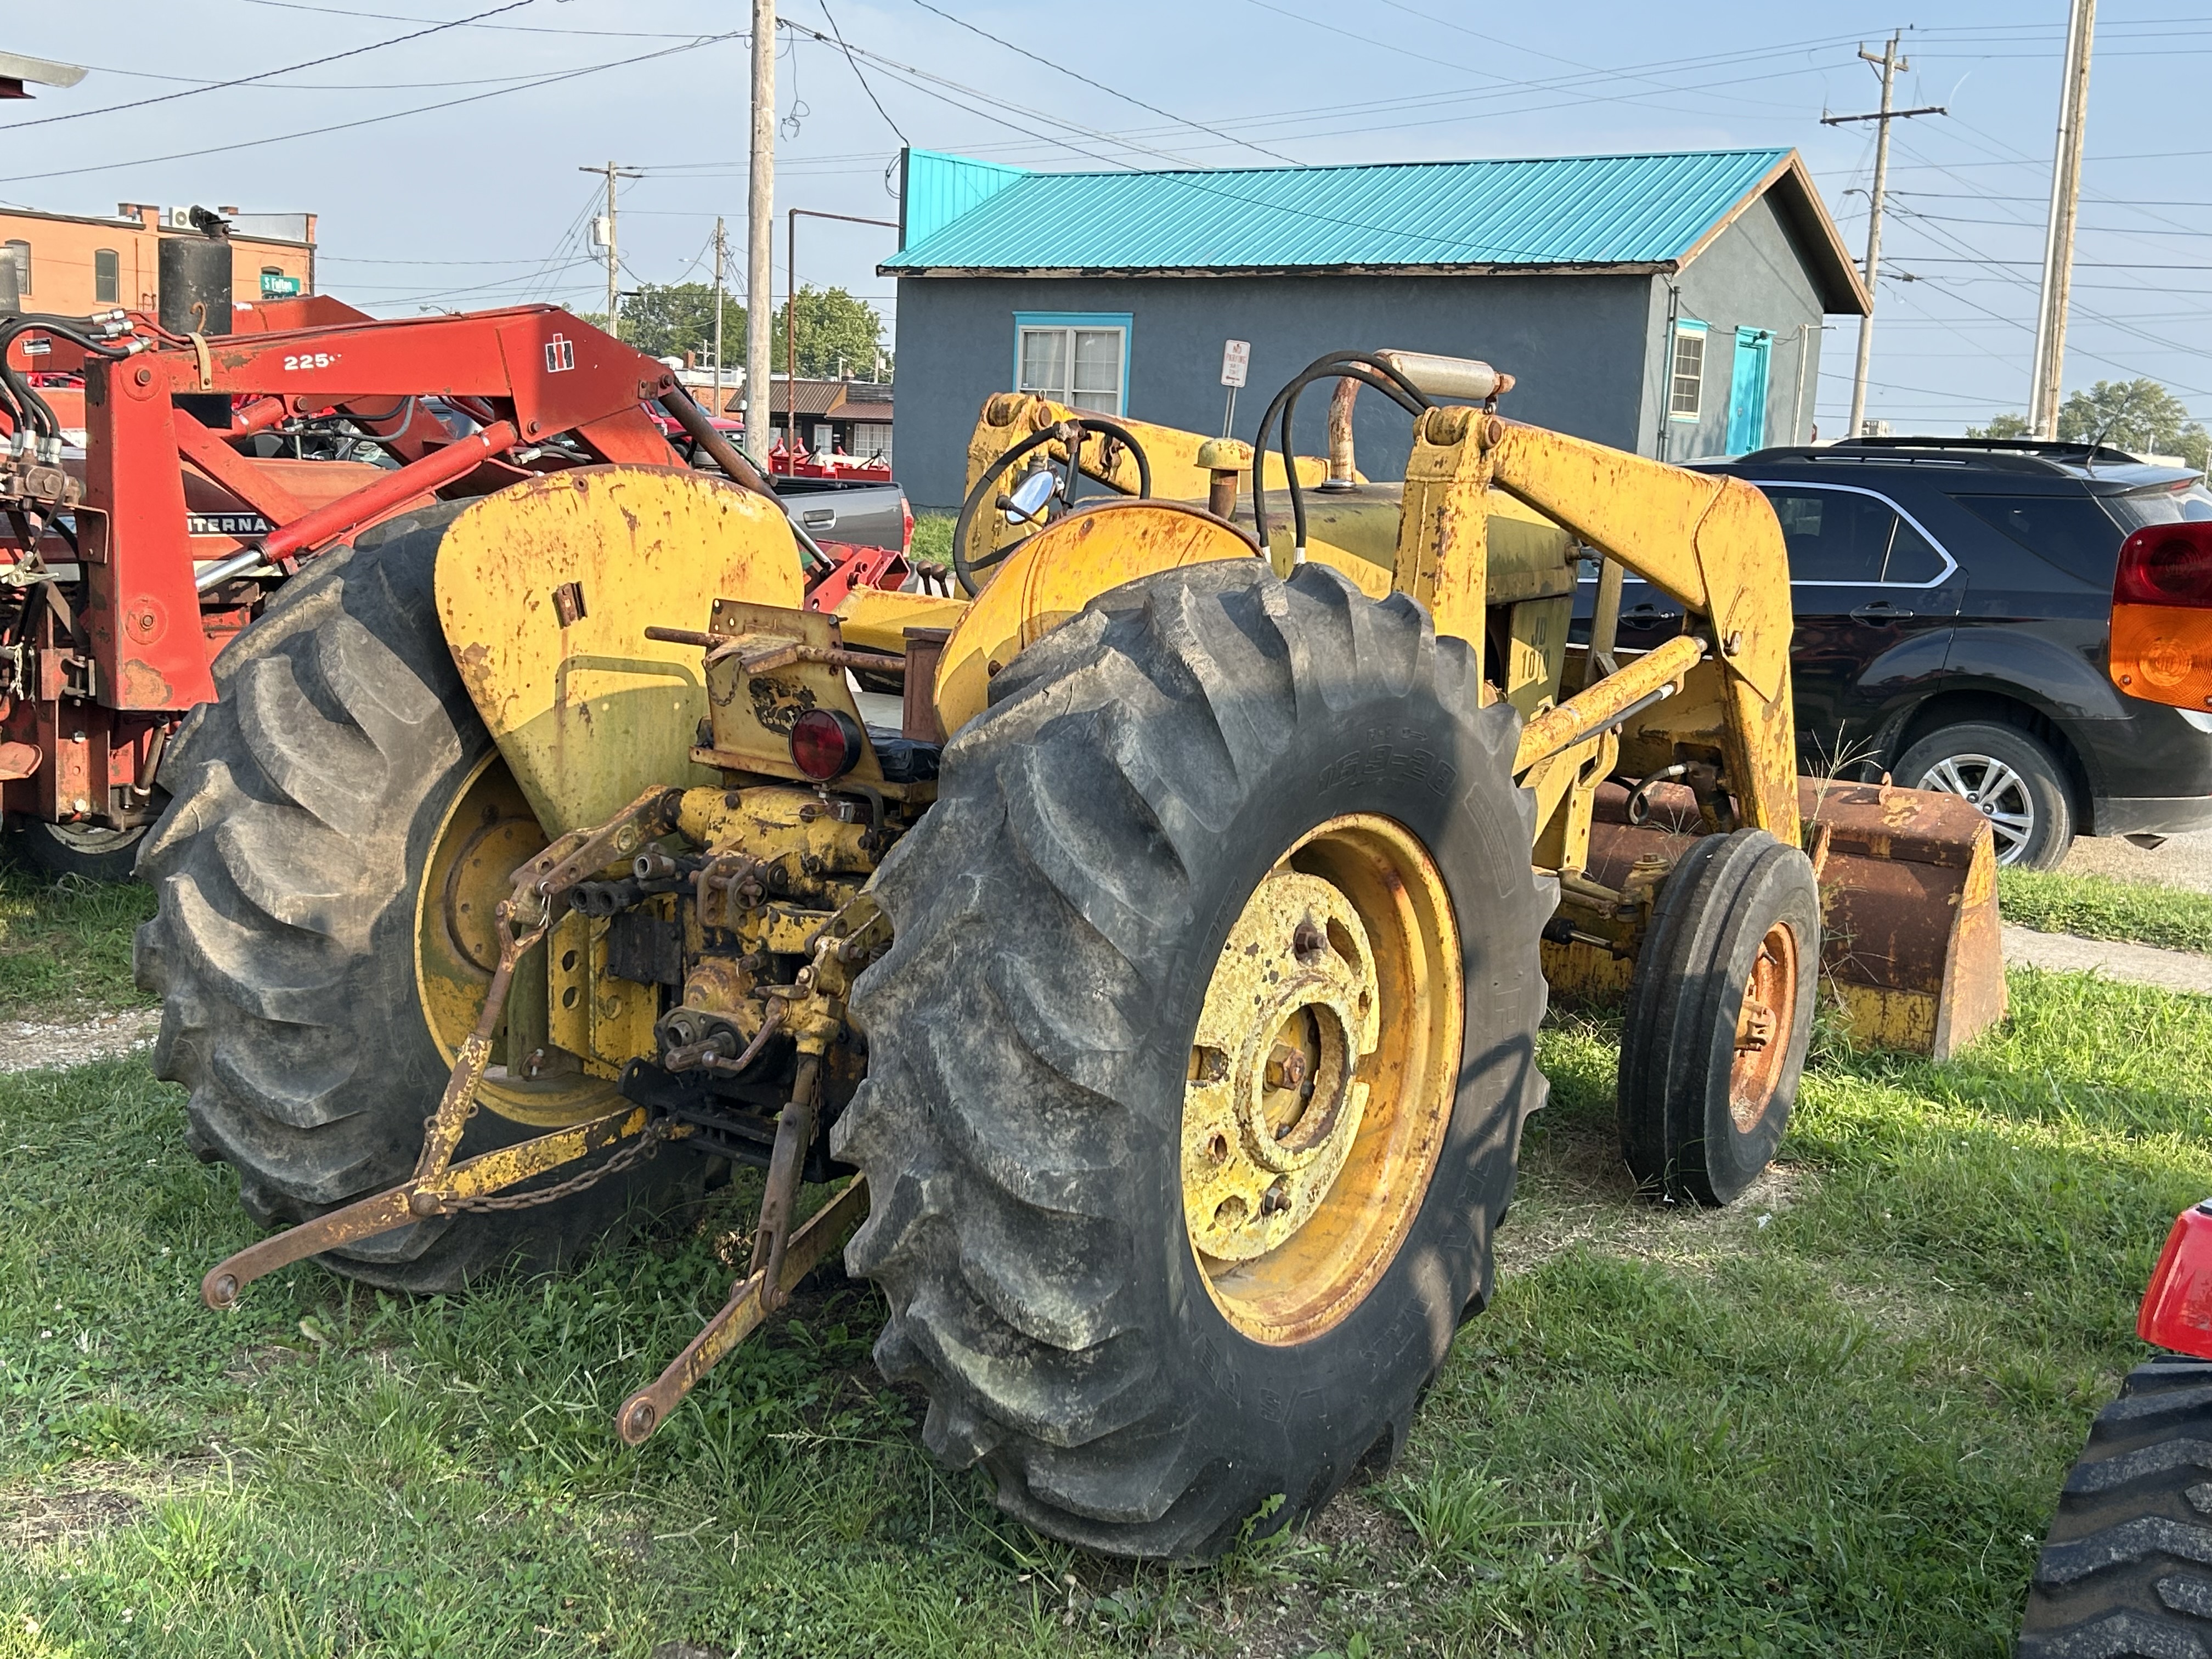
(2001, 426)
(667, 320)
(2139, 416)
(833, 328)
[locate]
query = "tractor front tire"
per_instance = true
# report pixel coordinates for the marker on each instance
(1232, 879)
(307, 805)
(1719, 1017)
(89, 853)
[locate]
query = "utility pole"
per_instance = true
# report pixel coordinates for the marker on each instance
(1890, 63)
(715, 408)
(2058, 241)
(760, 236)
(604, 233)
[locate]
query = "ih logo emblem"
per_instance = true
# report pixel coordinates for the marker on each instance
(560, 355)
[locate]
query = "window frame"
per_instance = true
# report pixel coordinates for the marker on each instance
(1687, 328)
(1069, 322)
(1950, 564)
(114, 256)
(23, 270)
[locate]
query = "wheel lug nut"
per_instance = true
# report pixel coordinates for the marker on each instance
(1286, 1067)
(1307, 941)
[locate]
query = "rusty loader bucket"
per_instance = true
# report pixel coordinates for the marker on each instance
(1908, 895)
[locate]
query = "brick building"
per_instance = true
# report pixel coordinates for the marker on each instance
(72, 264)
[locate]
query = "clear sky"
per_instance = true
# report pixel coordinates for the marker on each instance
(474, 198)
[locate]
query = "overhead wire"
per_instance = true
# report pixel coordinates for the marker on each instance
(1111, 92)
(248, 80)
(854, 64)
(294, 136)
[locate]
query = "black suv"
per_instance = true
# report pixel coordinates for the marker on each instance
(1954, 604)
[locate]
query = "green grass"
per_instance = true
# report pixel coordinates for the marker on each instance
(1831, 1419)
(2100, 906)
(933, 536)
(68, 943)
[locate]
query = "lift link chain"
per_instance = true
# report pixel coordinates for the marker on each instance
(638, 1152)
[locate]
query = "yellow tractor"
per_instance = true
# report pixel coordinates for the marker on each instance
(1144, 948)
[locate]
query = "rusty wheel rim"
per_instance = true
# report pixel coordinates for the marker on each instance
(1762, 1028)
(1321, 1078)
(487, 833)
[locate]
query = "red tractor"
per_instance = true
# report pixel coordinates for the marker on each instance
(2127, 1567)
(212, 465)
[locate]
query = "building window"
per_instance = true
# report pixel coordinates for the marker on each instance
(1686, 389)
(20, 254)
(872, 439)
(1081, 360)
(106, 276)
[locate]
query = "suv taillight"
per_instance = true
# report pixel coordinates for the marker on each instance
(2168, 565)
(2161, 643)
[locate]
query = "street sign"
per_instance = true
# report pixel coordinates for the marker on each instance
(275, 286)
(1236, 359)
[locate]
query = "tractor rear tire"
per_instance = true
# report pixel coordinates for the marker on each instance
(2126, 1570)
(1103, 834)
(287, 867)
(1738, 920)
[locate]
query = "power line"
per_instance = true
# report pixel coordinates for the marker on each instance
(505, 29)
(855, 67)
(368, 120)
(1110, 92)
(247, 80)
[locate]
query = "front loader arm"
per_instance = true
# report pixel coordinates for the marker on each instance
(1712, 544)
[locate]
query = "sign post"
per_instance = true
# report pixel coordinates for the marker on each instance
(1236, 361)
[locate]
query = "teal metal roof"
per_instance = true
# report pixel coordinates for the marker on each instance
(1582, 212)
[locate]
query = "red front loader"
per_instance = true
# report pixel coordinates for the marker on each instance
(212, 465)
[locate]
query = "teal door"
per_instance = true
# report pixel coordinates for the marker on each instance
(1748, 391)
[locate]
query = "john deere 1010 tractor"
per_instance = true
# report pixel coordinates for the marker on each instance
(1146, 954)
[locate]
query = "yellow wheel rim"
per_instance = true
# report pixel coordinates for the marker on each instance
(487, 834)
(1322, 1079)
(1763, 1026)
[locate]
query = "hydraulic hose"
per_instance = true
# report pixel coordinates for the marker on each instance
(1352, 365)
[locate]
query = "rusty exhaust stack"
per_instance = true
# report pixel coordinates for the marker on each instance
(1450, 380)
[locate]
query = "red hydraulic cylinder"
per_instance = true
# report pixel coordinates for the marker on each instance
(440, 467)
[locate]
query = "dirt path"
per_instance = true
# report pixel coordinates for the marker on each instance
(27, 1045)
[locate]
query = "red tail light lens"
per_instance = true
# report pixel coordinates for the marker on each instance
(825, 744)
(906, 529)
(2177, 1308)
(2167, 564)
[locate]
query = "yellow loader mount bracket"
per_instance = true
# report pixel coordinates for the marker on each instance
(1136, 962)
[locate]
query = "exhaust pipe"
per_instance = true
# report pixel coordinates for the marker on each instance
(1452, 380)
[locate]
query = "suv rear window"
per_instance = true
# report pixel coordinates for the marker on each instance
(2072, 532)
(2162, 504)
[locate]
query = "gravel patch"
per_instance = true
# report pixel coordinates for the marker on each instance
(2182, 861)
(28, 1045)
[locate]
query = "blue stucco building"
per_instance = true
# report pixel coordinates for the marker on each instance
(1669, 304)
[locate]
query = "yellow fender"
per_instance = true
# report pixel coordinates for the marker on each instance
(545, 590)
(1053, 575)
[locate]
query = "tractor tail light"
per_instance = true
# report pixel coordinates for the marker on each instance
(2177, 1308)
(2167, 564)
(825, 744)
